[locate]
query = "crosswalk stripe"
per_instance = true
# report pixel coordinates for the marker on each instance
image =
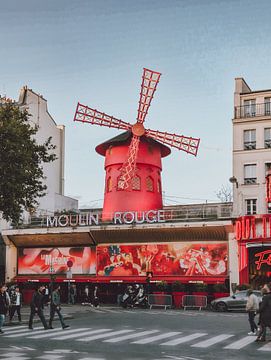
(23, 332)
(73, 336)
(239, 344)
(155, 338)
(212, 341)
(50, 333)
(184, 339)
(111, 333)
(18, 331)
(266, 347)
(130, 336)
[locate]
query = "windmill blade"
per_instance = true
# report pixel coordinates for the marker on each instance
(129, 166)
(150, 80)
(180, 142)
(87, 115)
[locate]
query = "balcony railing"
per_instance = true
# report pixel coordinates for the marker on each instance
(181, 213)
(252, 110)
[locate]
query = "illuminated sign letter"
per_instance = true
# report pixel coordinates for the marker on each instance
(65, 218)
(51, 221)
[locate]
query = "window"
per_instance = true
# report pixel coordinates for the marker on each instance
(159, 186)
(250, 107)
(267, 138)
(251, 206)
(136, 183)
(267, 107)
(149, 183)
(109, 184)
(249, 139)
(250, 174)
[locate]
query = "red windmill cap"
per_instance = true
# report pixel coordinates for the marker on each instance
(125, 137)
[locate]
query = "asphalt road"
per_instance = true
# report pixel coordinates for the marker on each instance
(110, 333)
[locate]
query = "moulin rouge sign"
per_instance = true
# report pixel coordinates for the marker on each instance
(89, 219)
(253, 227)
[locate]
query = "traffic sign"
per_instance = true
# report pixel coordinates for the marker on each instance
(69, 263)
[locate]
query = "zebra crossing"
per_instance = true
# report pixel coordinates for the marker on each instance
(136, 337)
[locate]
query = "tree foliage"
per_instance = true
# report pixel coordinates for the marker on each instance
(21, 159)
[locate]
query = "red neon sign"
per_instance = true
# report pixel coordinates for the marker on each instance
(253, 227)
(264, 258)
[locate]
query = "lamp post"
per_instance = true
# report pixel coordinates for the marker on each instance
(52, 277)
(69, 277)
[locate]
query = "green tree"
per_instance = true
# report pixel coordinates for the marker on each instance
(21, 159)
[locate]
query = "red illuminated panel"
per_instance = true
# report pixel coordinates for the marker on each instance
(182, 259)
(40, 260)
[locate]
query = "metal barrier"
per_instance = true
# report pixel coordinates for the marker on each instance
(160, 300)
(194, 301)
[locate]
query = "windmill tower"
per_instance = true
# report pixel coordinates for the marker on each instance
(133, 159)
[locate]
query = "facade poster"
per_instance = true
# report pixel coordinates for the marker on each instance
(180, 259)
(45, 260)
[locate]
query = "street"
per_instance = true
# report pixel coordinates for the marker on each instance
(111, 333)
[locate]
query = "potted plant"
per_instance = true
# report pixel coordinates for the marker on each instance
(161, 288)
(178, 291)
(200, 289)
(220, 290)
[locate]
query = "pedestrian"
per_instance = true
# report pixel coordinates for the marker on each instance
(96, 300)
(46, 295)
(15, 304)
(36, 306)
(265, 313)
(86, 296)
(3, 306)
(56, 308)
(72, 294)
(252, 307)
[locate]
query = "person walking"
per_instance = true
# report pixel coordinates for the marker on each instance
(36, 306)
(56, 308)
(96, 300)
(72, 294)
(3, 306)
(15, 304)
(265, 313)
(252, 307)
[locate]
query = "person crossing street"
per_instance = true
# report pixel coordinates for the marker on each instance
(56, 308)
(36, 306)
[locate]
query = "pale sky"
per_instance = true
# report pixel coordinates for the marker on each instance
(94, 52)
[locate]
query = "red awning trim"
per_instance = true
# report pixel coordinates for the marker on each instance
(128, 279)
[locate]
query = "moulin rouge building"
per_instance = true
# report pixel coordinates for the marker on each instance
(134, 234)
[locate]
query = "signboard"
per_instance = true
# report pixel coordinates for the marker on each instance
(180, 259)
(260, 261)
(42, 260)
(253, 227)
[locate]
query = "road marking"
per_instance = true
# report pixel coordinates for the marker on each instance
(73, 336)
(50, 357)
(24, 332)
(266, 347)
(18, 331)
(157, 337)
(184, 339)
(48, 333)
(212, 341)
(241, 343)
(14, 356)
(8, 328)
(111, 333)
(130, 336)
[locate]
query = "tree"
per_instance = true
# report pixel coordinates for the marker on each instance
(225, 194)
(21, 159)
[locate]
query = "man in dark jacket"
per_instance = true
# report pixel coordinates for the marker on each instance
(265, 313)
(36, 306)
(15, 304)
(55, 308)
(3, 306)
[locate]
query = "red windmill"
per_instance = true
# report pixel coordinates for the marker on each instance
(133, 159)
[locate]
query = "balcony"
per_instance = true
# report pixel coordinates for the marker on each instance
(253, 110)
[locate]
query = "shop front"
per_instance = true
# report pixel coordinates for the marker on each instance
(115, 255)
(253, 234)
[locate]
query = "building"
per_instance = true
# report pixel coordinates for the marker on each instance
(54, 200)
(251, 163)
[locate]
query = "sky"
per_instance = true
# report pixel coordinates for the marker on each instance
(94, 51)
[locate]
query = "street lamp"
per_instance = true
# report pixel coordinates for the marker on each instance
(233, 180)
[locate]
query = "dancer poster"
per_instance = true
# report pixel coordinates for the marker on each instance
(182, 259)
(39, 260)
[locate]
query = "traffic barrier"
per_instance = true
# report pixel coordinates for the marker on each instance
(160, 300)
(194, 301)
